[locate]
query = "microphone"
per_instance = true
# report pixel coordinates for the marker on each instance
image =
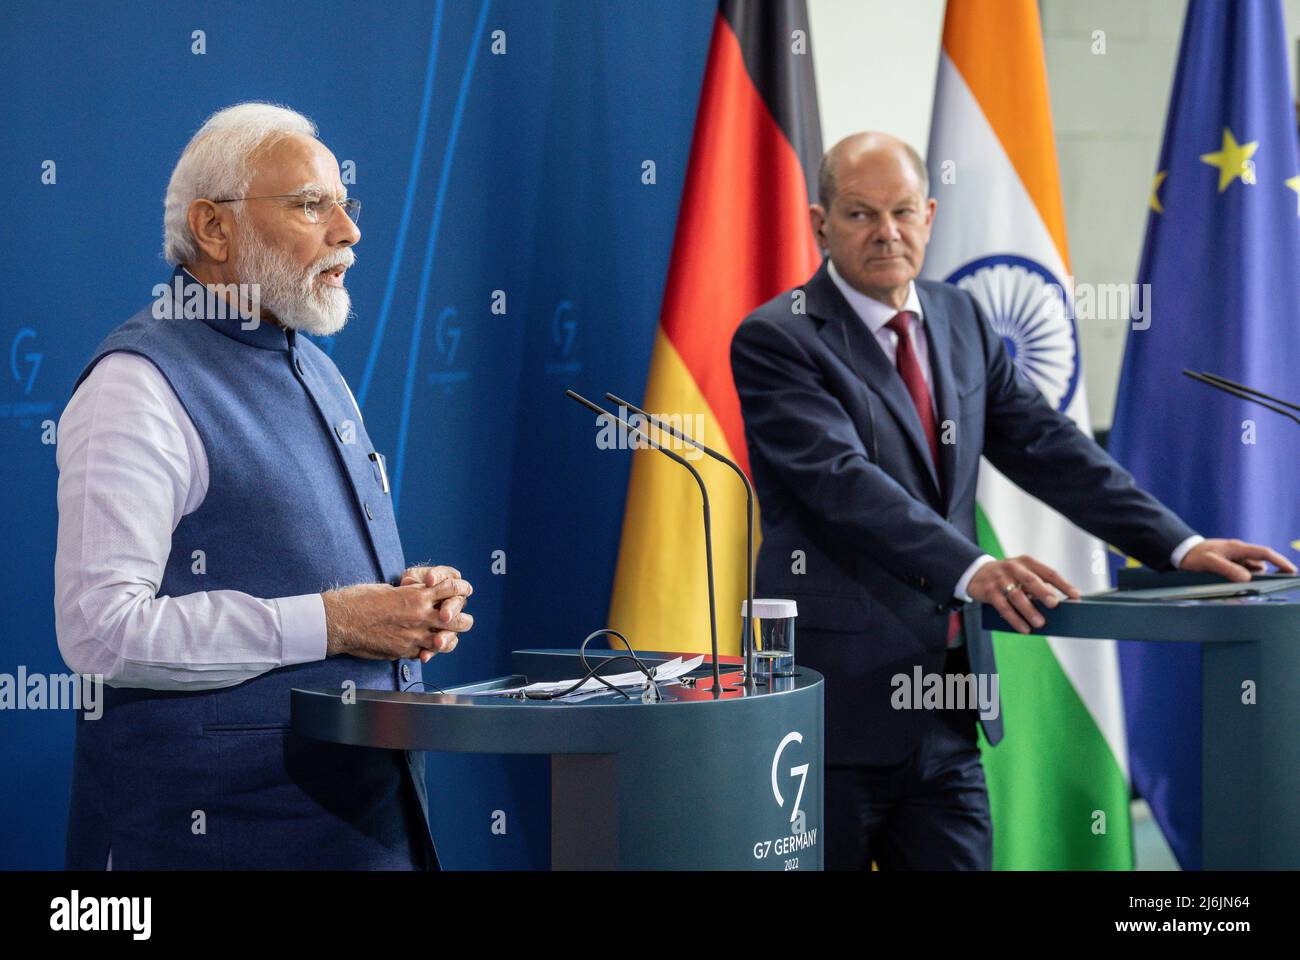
(750, 622)
(708, 524)
(1244, 392)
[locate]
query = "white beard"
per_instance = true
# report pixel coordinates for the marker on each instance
(294, 295)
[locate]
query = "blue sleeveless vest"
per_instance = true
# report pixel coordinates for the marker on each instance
(217, 779)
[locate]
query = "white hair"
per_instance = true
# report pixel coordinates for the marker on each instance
(215, 165)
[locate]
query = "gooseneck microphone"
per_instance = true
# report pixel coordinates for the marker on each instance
(750, 622)
(708, 524)
(1268, 401)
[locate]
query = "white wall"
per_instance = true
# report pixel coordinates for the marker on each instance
(876, 61)
(1109, 114)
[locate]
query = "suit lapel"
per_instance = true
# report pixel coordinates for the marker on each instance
(939, 336)
(846, 334)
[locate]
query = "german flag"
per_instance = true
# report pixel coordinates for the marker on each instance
(742, 237)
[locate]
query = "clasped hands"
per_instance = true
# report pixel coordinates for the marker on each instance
(421, 617)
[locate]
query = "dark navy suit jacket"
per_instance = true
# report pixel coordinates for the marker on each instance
(844, 475)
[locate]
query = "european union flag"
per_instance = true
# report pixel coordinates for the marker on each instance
(1222, 257)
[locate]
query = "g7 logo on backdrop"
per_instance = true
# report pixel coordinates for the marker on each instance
(31, 358)
(446, 340)
(564, 334)
(563, 330)
(447, 337)
(799, 770)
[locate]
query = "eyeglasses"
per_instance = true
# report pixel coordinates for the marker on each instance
(317, 208)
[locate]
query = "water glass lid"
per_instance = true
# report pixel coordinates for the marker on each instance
(775, 609)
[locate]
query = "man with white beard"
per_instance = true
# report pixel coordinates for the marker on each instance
(226, 534)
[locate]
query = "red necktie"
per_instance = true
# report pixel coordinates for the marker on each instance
(909, 368)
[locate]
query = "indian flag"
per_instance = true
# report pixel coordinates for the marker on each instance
(1058, 782)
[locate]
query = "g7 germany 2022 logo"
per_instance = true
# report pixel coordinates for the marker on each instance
(789, 846)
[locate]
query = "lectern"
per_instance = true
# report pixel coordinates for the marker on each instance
(692, 782)
(1250, 705)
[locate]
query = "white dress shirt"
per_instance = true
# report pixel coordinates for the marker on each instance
(131, 465)
(876, 315)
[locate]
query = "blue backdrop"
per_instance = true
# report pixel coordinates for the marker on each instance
(479, 171)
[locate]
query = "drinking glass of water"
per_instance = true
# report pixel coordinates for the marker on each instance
(773, 637)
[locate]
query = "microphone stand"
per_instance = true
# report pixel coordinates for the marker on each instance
(750, 621)
(1245, 393)
(708, 525)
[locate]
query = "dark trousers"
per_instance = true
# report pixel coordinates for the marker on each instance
(929, 812)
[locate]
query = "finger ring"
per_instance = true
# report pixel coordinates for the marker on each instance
(1010, 588)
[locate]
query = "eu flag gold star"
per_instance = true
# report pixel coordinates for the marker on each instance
(1294, 184)
(1155, 191)
(1233, 160)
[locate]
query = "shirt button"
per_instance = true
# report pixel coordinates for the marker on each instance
(406, 673)
(369, 513)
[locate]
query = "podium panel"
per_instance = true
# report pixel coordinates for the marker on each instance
(1250, 704)
(692, 782)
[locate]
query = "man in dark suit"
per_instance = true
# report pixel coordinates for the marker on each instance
(869, 397)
